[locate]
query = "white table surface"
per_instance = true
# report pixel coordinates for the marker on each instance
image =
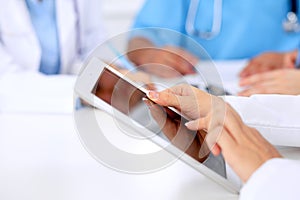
(41, 157)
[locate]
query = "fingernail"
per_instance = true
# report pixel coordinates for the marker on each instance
(153, 95)
(203, 152)
(187, 124)
(147, 102)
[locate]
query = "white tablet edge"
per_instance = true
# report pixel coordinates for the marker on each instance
(84, 86)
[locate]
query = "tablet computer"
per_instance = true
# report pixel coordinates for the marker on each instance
(107, 89)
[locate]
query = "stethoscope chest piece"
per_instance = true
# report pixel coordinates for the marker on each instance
(291, 23)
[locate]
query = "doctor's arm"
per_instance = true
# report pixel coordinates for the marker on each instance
(269, 61)
(271, 73)
(279, 81)
(165, 61)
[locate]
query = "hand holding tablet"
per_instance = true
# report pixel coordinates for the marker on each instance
(243, 148)
(124, 100)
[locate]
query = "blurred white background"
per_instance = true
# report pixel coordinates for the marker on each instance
(118, 15)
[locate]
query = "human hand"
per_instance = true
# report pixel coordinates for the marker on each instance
(282, 81)
(167, 61)
(269, 61)
(193, 103)
(172, 126)
(243, 148)
(189, 100)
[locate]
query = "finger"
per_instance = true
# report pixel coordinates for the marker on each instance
(224, 143)
(181, 65)
(246, 70)
(168, 67)
(227, 144)
(266, 66)
(210, 140)
(183, 89)
(209, 143)
(251, 80)
(191, 61)
(184, 60)
(230, 120)
(267, 87)
(216, 150)
(164, 98)
(248, 92)
(166, 125)
(199, 124)
(174, 95)
(250, 69)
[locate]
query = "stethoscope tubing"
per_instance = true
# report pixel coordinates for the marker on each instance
(290, 24)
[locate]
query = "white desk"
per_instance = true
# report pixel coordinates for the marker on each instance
(42, 158)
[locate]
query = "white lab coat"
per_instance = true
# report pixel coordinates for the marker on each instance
(276, 117)
(19, 46)
(22, 87)
(276, 179)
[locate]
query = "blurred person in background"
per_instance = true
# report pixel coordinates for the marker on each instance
(40, 38)
(225, 29)
(48, 36)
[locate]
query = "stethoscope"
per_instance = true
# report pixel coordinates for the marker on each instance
(289, 24)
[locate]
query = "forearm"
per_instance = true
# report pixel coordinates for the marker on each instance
(139, 49)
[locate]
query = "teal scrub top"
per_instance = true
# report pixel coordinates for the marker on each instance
(248, 27)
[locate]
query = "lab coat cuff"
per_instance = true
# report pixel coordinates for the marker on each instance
(269, 181)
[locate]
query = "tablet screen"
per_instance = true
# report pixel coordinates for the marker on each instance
(161, 121)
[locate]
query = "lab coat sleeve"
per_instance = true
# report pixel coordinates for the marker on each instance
(276, 117)
(278, 178)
